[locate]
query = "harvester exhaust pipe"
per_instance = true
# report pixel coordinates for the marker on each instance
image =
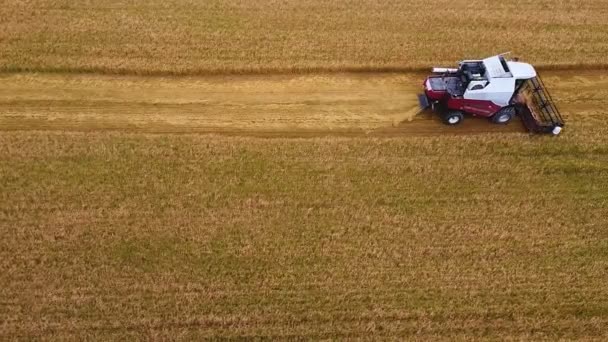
(444, 70)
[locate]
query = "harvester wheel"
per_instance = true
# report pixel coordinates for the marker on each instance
(504, 116)
(452, 117)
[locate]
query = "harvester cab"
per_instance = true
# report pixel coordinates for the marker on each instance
(496, 88)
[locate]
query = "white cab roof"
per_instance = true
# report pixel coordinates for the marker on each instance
(521, 71)
(495, 68)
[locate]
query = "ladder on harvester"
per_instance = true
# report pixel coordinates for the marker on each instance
(537, 109)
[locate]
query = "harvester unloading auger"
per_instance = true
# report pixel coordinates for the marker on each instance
(495, 88)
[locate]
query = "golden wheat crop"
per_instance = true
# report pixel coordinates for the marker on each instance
(178, 36)
(127, 235)
(114, 236)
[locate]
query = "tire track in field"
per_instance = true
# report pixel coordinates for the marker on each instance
(348, 104)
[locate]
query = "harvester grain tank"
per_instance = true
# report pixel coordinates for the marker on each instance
(496, 88)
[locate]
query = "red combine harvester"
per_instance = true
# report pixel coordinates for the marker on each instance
(494, 88)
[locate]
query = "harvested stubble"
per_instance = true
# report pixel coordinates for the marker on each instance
(295, 105)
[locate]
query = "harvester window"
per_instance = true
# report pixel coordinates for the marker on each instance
(478, 85)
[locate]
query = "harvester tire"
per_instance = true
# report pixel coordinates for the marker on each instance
(504, 116)
(453, 117)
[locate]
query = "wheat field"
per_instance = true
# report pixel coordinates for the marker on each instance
(150, 190)
(220, 36)
(114, 236)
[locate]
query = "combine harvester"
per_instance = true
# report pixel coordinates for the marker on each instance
(494, 88)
